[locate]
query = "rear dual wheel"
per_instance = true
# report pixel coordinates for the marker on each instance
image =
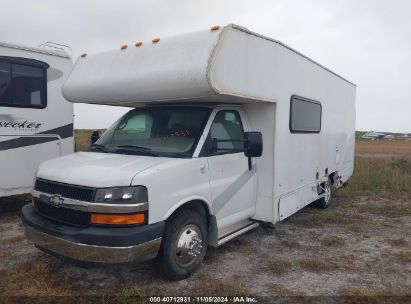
(325, 201)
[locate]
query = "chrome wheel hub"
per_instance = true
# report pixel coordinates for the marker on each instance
(189, 245)
(327, 190)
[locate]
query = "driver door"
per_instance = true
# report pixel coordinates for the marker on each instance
(233, 186)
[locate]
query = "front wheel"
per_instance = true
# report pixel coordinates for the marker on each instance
(184, 244)
(325, 201)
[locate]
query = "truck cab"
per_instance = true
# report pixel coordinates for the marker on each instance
(150, 180)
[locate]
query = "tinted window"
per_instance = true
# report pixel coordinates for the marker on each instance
(22, 85)
(305, 115)
(227, 131)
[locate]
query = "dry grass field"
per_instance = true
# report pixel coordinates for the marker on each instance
(357, 251)
(382, 148)
(383, 177)
(82, 138)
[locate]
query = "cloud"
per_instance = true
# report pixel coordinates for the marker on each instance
(366, 41)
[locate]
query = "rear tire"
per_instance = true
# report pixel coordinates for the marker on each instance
(184, 244)
(324, 202)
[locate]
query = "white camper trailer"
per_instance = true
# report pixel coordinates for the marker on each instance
(36, 122)
(230, 129)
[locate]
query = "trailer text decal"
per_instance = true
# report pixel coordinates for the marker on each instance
(25, 125)
(17, 123)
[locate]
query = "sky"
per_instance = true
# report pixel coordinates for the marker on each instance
(367, 41)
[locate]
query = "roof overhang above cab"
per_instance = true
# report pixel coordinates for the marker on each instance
(229, 64)
(174, 69)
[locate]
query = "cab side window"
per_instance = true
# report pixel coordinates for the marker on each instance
(226, 133)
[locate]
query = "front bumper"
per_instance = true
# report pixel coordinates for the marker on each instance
(93, 244)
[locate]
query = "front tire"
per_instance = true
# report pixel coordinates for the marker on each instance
(184, 244)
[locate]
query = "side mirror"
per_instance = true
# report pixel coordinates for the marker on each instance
(95, 136)
(253, 144)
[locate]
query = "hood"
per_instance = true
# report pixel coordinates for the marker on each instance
(94, 169)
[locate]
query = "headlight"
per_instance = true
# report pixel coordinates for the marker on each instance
(122, 195)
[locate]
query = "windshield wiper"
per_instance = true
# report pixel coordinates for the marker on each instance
(137, 149)
(133, 147)
(98, 147)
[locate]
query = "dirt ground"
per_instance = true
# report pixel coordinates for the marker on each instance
(358, 247)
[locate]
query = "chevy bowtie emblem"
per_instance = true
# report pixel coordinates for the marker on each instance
(56, 200)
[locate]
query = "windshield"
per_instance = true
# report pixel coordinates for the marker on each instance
(157, 131)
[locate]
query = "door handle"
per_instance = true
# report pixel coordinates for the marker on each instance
(202, 167)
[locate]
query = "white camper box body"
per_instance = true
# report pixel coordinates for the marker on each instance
(30, 135)
(231, 67)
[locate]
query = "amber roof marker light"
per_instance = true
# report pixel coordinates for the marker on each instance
(83, 55)
(156, 40)
(139, 43)
(124, 46)
(215, 28)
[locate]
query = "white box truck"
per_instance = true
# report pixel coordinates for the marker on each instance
(186, 168)
(36, 122)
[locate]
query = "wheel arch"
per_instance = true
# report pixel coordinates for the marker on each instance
(204, 207)
(335, 177)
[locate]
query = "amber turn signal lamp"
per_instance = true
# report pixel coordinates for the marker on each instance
(118, 219)
(215, 28)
